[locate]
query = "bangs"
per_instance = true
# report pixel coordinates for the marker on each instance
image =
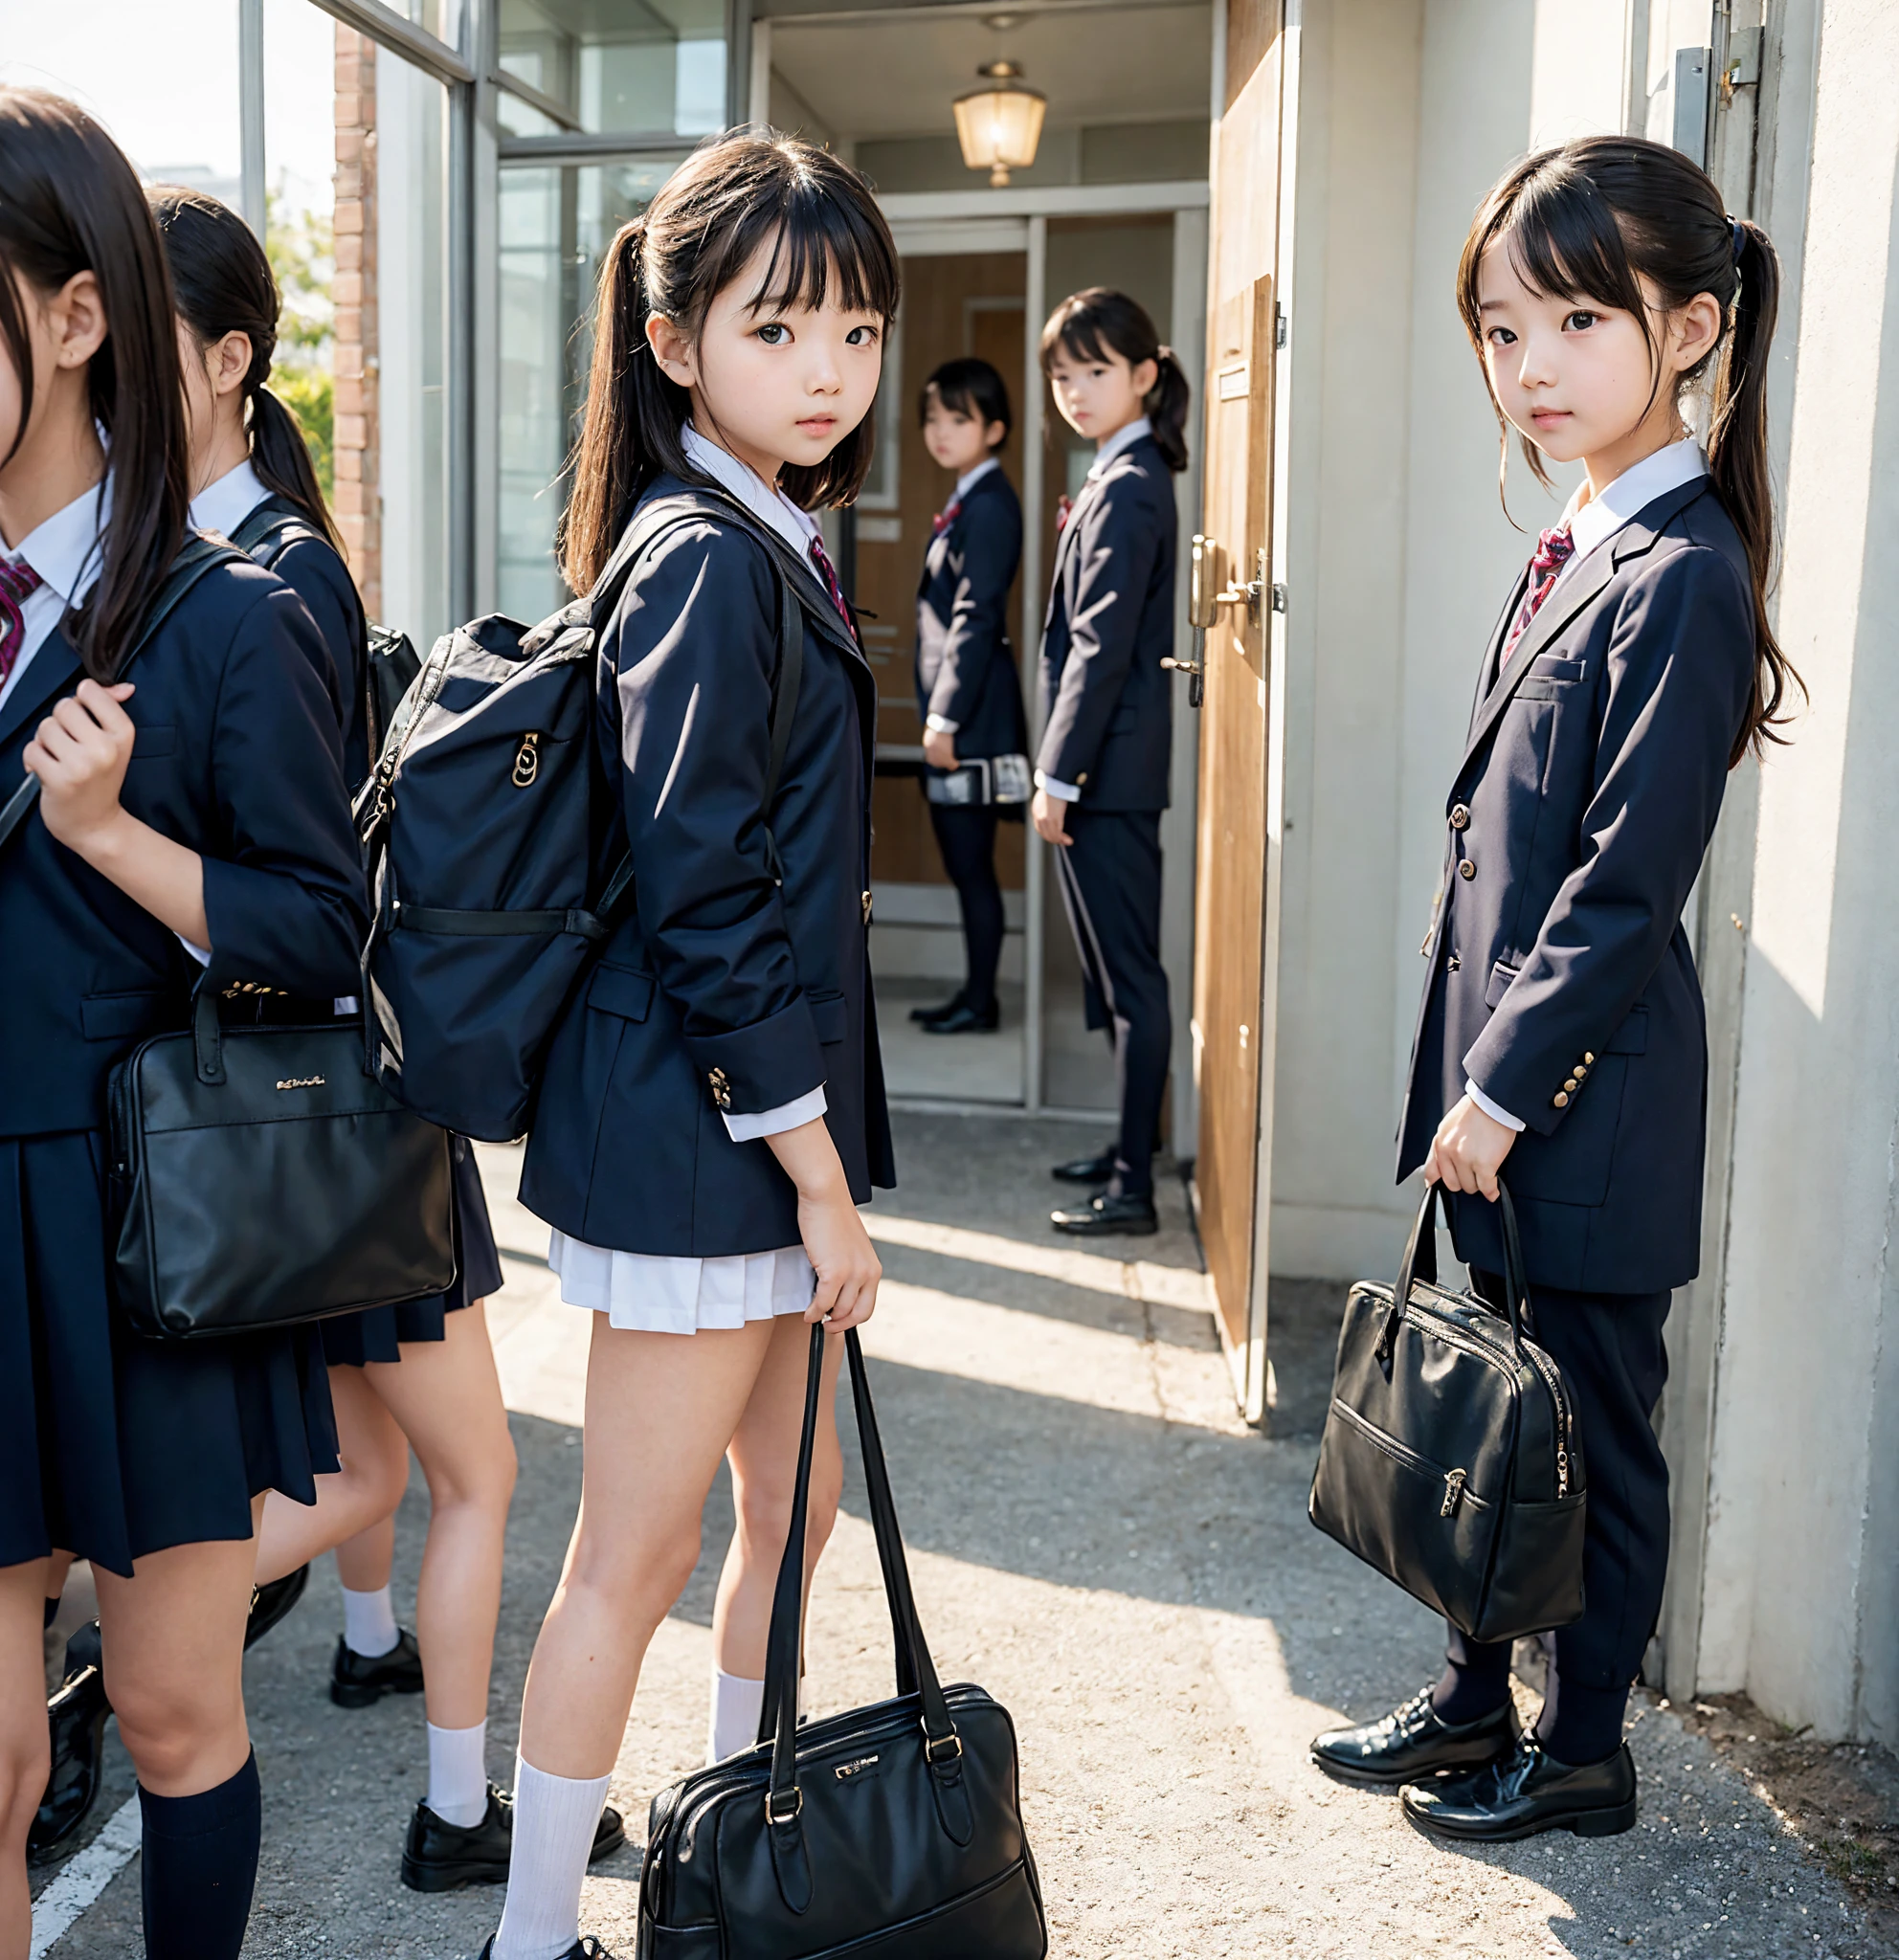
(823, 247)
(1077, 333)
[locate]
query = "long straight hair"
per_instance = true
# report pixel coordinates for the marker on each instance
(70, 203)
(224, 284)
(734, 196)
(1589, 221)
(1089, 324)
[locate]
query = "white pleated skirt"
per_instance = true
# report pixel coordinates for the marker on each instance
(647, 1293)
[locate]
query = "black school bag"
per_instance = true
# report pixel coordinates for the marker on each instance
(488, 821)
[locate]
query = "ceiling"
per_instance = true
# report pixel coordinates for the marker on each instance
(883, 75)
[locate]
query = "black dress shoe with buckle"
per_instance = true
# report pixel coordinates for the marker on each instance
(1096, 1169)
(1106, 1213)
(965, 1019)
(586, 1947)
(439, 1857)
(940, 1013)
(76, 1713)
(1413, 1740)
(357, 1680)
(272, 1603)
(1526, 1792)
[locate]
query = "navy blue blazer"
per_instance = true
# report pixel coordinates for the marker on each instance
(965, 670)
(237, 756)
(1107, 701)
(1561, 982)
(721, 991)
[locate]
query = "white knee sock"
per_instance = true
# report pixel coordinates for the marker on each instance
(459, 1773)
(554, 1821)
(736, 1706)
(369, 1622)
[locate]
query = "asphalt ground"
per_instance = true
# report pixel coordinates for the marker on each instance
(1096, 1539)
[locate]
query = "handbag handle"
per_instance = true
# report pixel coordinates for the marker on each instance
(1421, 1263)
(916, 1672)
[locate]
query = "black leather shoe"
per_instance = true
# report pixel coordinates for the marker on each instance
(940, 1013)
(1524, 1793)
(1413, 1740)
(439, 1857)
(76, 1713)
(1097, 1169)
(272, 1603)
(356, 1680)
(586, 1947)
(964, 1019)
(1106, 1213)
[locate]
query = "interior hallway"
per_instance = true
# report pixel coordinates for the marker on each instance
(1097, 1540)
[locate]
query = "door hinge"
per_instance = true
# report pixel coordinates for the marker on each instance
(1279, 598)
(1279, 327)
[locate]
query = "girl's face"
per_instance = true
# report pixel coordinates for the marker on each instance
(1577, 378)
(776, 385)
(1100, 396)
(956, 440)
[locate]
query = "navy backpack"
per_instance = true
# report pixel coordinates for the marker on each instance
(488, 822)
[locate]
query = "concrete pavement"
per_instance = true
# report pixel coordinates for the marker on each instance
(1097, 1540)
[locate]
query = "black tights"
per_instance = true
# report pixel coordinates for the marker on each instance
(966, 837)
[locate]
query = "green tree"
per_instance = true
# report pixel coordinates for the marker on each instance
(302, 254)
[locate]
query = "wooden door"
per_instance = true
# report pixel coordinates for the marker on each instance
(1232, 598)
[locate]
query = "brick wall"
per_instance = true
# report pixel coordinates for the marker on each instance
(358, 434)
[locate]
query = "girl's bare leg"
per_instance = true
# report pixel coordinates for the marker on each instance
(359, 1497)
(24, 1754)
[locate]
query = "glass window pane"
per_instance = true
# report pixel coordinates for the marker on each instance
(556, 221)
(623, 66)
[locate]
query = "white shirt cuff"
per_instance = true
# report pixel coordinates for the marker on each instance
(1062, 793)
(199, 953)
(1493, 1110)
(941, 724)
(770, 1122)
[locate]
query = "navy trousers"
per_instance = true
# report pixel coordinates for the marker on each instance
(1110, 886)
(1609, 1347)
(966, 837)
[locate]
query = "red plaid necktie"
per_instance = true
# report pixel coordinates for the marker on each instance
(946, 517)
(1555, 549)
(1063, 505)
(18, 582)
(820, 558)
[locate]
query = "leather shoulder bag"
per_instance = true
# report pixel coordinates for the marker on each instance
(262, 1176)
(894, 1829)
(1450, 1459)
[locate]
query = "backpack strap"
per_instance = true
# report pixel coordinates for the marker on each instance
(196, 556)
(268, 525)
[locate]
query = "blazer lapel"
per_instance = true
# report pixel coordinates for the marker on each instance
(54, 665)
(1493, 646)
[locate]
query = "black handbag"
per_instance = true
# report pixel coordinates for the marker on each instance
(1450, 1459)
(894, 1830)
(262, 1176)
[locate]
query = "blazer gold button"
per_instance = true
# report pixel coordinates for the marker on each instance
(866, 908)
(1580, 1071)
(1080, 779)
(722, 1088)
(1560, 1100)
(1454, 965)
(1589, 1060)
(1460, 817)
(1468, 868)
(1571, 1085)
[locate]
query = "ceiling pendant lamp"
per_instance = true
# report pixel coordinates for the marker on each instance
(999, 125)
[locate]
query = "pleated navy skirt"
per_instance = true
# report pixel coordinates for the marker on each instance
(113, 1446)
(350, 1339)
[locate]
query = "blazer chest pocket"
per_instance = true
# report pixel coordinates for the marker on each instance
(830, 1018)
(621, 990)
(1550, 678)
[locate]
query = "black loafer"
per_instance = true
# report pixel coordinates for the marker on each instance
(586, 1947)
(1096, 1169)
(76, 1713)
(272, 1603)
(1526, 1792)
(964, 1019)
(1413, 1740)
(357, 1680)
(1106, 1214)
(941, 1012)
(441, 1857)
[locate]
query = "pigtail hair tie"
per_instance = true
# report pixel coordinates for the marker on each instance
(1740, 232)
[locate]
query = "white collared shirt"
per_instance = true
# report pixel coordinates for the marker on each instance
(1592, 521)
(970, 478)
(223, 505)
(766, 502)
(66, 552)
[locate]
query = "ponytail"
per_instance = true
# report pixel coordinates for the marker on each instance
(730, 200)
(1098, 321)
(224, 284)
(1593, 220)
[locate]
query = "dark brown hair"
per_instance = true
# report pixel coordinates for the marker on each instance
(969, 387)
(70, 203)
(1091, 325)
(1589, 221)
(224, 284)
(734, 195)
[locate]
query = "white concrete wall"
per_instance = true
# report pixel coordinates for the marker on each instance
(1802, 1582)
